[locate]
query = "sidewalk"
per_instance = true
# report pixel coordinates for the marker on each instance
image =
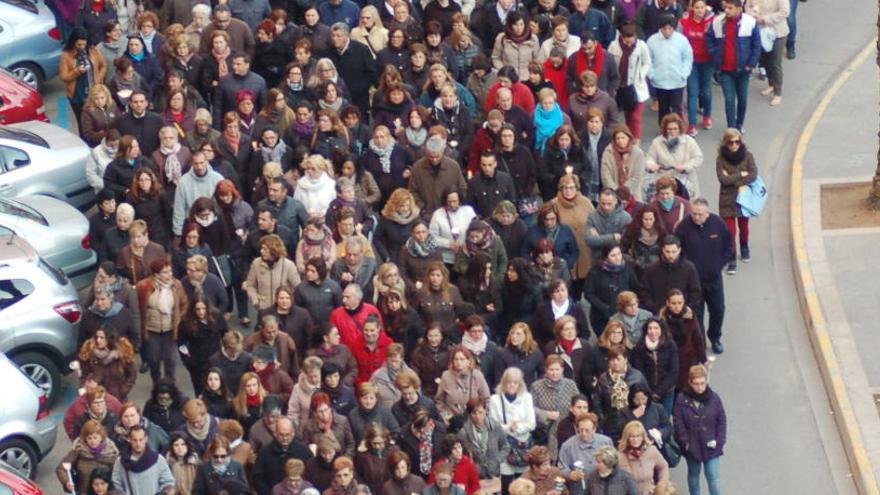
(837, 270)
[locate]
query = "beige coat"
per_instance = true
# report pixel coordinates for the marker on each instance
(456, 389)
(645, 469)
(687, 154)
(517, 55)
(574, 214)
(300, 400)
(772, 13)
(636, 163)
(262, 281)
(376, 39)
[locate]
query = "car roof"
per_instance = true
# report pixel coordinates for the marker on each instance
(15, 250)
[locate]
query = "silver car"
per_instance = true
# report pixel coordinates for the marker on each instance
(27, 431)
(30, 42)
(40, 315)
(58, 231)
(44, 159)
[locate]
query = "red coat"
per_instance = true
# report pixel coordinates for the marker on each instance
(350, 326)
(465, 474)
(369, 360)
(522, 97)
(557, 77)
(482, 141)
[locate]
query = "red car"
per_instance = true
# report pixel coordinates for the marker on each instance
(18, 101)
(12, 482)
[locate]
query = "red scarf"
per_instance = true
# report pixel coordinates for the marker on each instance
(581, 64)
(567, 345)
(253, 400)
(265, 373)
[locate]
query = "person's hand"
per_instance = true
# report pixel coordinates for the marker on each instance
(747, 68)
(69, 487)
(652, 167)
(347, 277)
(711, 444)
(593, 231)
(553, 415)
(359, 228)
(512, 425)
(419, 284)
(743, 174)
(406, 174)
(490, 307)
(616, 237)
(576, 475)
(82, 69)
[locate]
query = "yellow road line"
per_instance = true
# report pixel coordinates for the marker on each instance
(847, 424)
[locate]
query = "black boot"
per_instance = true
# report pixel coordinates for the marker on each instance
(744, 253)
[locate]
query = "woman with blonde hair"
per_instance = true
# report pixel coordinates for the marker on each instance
(613, 334)
(512, 407)
(521, 351)
(397, 217)
(325, 70)
(248, 402)
(623, 164)
(109, 361)
(370, 30)
(91, 450)
(438, 75)
(98, 115)
(269, 271)
(639, 457)
(459, 384)
(316, 189)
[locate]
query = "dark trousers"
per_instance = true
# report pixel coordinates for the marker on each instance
(160, 349)
(669, 101)
(735, 86)
(772, 62)
(792, 25)
(713, 300)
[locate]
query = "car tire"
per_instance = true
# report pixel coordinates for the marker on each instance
(28, 73)
(42, 371)
(21, 455)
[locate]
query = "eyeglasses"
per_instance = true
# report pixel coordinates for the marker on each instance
(219, 457)
(735, 141)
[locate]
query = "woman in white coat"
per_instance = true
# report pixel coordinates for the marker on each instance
(316, 189)
(449, 224)
(633, 63)
(675, 154)
(512, 407)
(772, 17)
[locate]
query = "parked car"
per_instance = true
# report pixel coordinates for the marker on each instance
(40, 315)
(18, 101)
(58, 231)
(12, 483)
(27, 432)
(30, 41)
(44, 159)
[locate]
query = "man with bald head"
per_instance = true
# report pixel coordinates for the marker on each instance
(269, 468)
(515, 116)
(349, 318)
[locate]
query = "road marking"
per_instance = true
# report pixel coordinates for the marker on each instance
(847, 423)
(63, 118)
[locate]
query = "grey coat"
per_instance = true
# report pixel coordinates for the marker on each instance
(146, 482)
(486, 451)
(606, 225)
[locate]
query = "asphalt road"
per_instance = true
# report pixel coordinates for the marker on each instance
(781, 436)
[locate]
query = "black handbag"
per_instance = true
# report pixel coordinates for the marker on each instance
(626, 98)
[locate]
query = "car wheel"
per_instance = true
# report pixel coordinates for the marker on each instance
(28, 73)
(42, 371)
(21, 456)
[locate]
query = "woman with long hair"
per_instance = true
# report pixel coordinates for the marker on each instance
(151, 204)
(216, 395)
(81, 66)
(366, 188)
(395, 223)
(439, 301)
(520, 292)
(656, 356)
(614, 334)
(521, 351)
(183, 460)
(415, 132)
(563, 155)
(248, 402)
(99, 112)
(119, 175)
(418, 252)
(480, 238)
(371, 459)
(512, 407)
(610, 276)
(269, 271)
(91, 451)
(623, 164)
(459, 384)
(561, 237)
(685, 330)
(392, 109)
(479, 287)
(109, 360)
(370, 30)
(641, 238)
(201, 329)
(641, 458)
(402, 321)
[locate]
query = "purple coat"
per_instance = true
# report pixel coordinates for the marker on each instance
(697, 423)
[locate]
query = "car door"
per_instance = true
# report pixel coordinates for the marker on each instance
(7, 38)
(13, 168)
(12, 292)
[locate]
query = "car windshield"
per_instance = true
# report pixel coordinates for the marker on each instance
(21, 210)
(21, 134)
(22, 4)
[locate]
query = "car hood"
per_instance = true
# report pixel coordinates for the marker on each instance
(57, 137)
(61, 216)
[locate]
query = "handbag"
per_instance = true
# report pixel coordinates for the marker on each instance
(542, 432)
(518, 448)
(626, 98)
(752, 197)
(528, 205)
(671, 452)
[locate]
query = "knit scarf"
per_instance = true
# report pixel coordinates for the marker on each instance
(418, 249)
(405, 219)
(425, 448)
(384, 154)
(274, 154)
(220, 57)
(164, 297)
(416, 137)
(611, 267)
(173, 168)
(265, 373)
(303, 129)
(200, 434)
(620, 162)
(146, 460)
(734, 157)
(623, 66)
(476, 346)
(253, 400)
(471, 248)
(651, 345)
(546, 123)
(522, 38)
(701, 398)
(581, 64)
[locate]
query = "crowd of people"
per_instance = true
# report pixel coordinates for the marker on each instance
(413, 201)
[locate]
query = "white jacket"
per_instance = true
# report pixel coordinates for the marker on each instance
(96, 164)
(572, 45)
(520, 412)
(442, 224)
(316, 196)
(688, 153)
(639, 66)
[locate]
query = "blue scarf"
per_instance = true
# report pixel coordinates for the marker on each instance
(139, 56)
(546, 123)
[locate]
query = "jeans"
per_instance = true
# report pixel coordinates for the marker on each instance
(735, 86)
(713, 301)
(792, 26)
(700, 90)
(667, 400)
(712, 475)
(669, 101)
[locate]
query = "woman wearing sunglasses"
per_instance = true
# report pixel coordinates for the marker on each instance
(735, 167)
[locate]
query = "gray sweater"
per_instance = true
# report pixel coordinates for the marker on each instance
(606, 225)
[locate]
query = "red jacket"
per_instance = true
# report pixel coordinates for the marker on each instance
(350, 326)
(465, 474)
(369, 360)
(695, 32)
(557, 77)
(482, 141)
(522, 97)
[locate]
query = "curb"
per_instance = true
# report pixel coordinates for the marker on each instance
(811, 308)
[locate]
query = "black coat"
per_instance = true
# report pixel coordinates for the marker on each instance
(232, 369)
(269, 468)
(270, 59)
(389, 237)
(585, 364)
(118, 175)
(661, 277)
(486, 192)
(209, 482)
(553, 167)
(659, 366)
(145, 129)
(531, 364)
(601, 289)
(521, 166)
(157, 213)
(357, 68)
(542, 328)
(387, 182)
(297, 323)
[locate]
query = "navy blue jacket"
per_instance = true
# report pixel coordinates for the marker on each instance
(748, 41)
(346, 11)
(565, 243)
(593, 20)
(709, 246)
